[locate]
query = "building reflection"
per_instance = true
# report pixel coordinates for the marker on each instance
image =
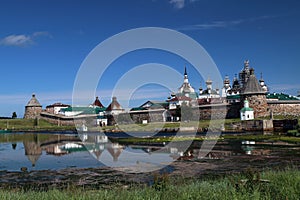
(98, 144)
(33, 150)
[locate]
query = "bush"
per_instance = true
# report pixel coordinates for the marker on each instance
(294, 133)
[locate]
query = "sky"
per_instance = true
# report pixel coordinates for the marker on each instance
(44, 42)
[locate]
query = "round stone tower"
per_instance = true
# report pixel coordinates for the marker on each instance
(33, 108)
(253, 92)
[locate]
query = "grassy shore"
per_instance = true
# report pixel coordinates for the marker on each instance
(43, 125)
(32, 125)
(249, 185)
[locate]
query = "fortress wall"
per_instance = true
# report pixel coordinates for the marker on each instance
(285, 108)
(259, 103)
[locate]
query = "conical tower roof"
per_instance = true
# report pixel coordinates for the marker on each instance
(33, 102)
(98, 103)
(114, 105)
(252, 86)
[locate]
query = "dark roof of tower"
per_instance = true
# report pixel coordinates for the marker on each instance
(114, 105)
(33, 102)
(185, 73)
(98, 103)
(252, 86)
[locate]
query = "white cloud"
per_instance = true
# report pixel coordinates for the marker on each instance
(42, 33)
(285, 88)
(22, 40)
(223, 24)
(178, 4)
(16, 40)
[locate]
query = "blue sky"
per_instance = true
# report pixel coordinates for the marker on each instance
(44, 42)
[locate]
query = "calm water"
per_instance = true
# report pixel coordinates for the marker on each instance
(59, 151)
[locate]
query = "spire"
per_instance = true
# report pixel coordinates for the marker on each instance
(261, 77)
(246, 64)
(208, 83)
(226, 80)
(186, 80)
(235, 77)
(200, 88)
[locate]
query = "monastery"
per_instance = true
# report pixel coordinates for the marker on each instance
(246, 98)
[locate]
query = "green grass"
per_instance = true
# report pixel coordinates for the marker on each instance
(154, 126)
(253, 137)
(282, 185)
(29, 124)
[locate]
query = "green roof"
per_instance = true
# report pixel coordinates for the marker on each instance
(234, 96)
(137, 109)
(84, 110)
(246, 109)
(160, 105)
(281, 96)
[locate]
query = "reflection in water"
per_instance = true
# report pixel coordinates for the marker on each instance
(33, 151)
(14, 146)
(57, 151)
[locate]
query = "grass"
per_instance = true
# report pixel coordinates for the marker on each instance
(30, 124)
(283, 184)
(253, 137)
(231, 137)
(154, 126)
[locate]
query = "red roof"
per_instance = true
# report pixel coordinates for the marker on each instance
(98, 103)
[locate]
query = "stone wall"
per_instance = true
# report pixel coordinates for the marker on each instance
(58, 120)
(213, 112)
(259, 104)
(219, 111)
(32, 112)
(61, 120)
(285, 108)
(150, 116)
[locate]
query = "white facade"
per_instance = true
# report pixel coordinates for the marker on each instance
(56, 109)
(247, 113)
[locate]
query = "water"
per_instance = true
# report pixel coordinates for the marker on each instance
(41, 152)
(59, 151)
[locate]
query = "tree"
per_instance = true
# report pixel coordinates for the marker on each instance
(14, 115)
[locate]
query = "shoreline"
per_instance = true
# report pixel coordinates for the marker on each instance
(102, 177)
